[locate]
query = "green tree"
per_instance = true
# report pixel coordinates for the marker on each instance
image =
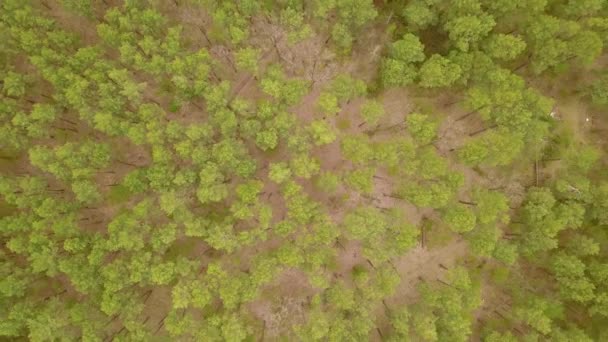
(304, 166)
(212, 187)
(535, 314)
(467, 31)
(348, 18)
(495, 147)
(279, 172)
(431, 165)
(421, 127)
(400, 321)
(438, 71)
(399, 68)
(247, 59)
(14, 84)
(361, 179)
(321, 132)
(504, 47)
(383, 236)
(420, 14)
(459, 218)
(267, 140)
(328, 103)
(276, 84)
(492, 206)
(345, 88)
(372, 111)
(327, 182)
(505, 252)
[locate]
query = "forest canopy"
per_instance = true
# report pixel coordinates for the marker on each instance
(303, 170)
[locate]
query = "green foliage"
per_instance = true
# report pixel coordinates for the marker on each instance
(14, 84)
(482, 240)
(467, 31)
(505, 252)
(279, 172)
(139, 166)
(328, 103)
(421, 127)
(247, 59)
(444, 313)
(535, 314)
(84, 8)
(372, 111)
(399, 68)
(287, 91)
(431, 164)
(266, 140)
(438, 71)
(435, 194)
(304, 166)
(321, 132)
(384, 236)
(599, 90)
(361, 179)
(570, 274)
(294, 21)
(491, 206)
(545, 220)
(357, 148)
(496, 147)
(420, 14)
(212, 187)
(460, 218)
(505, 47)
(327, 182)
(350, 16)
(345, 88)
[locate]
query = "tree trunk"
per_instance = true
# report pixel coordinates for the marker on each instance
(446, 284)
(380, 333)
(148, 294)
(196, 105)
(466, 115)
(111, 320)
(126, 163)
(340, 244)
(65, 129)
(374, 131)
(521, 66)
(482, 130)
(422, 235)
(392, 196)
(68, 121)
(536, 171)
(393, 266)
